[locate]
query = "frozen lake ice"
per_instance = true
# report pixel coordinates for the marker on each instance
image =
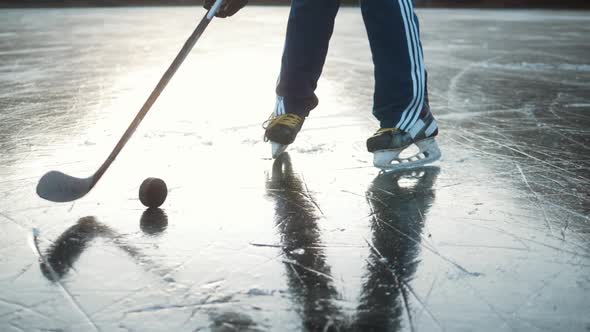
(495, 237)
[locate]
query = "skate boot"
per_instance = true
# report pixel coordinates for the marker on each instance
(388, 143)
(281, 131)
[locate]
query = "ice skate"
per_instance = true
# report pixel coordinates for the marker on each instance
(387, 144)
(281, 130)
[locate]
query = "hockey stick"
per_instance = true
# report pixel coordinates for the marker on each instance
(59, 187)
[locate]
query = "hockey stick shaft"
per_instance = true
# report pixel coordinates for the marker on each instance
(188, 45)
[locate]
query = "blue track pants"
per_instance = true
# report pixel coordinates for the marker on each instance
(392, 27)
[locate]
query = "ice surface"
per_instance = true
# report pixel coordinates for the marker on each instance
(493, 238)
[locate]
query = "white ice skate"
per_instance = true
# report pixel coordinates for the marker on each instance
(387, 145)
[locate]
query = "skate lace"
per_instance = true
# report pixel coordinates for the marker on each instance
(289, 120)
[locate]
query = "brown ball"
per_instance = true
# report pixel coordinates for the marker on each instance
(153, 192)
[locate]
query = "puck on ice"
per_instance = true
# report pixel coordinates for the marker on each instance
(153, 192)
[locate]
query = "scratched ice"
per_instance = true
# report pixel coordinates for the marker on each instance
(493, 238)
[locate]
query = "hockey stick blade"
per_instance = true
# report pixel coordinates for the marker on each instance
(59, 187)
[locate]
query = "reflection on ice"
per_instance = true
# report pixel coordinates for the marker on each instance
(153, 221)
(398, 213)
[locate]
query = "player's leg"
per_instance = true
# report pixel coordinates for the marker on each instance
(310, 26)
(400, 99)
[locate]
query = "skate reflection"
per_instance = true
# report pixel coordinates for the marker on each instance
(399, 202)
(308, 274)
(69, 246)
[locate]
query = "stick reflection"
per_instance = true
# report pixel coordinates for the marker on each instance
(69, 246)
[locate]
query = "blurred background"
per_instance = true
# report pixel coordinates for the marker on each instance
(565, 4)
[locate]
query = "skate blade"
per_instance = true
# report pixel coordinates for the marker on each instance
(389, 159)
(277, 149)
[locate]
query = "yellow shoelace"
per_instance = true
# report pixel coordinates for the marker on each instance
(289, 120)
